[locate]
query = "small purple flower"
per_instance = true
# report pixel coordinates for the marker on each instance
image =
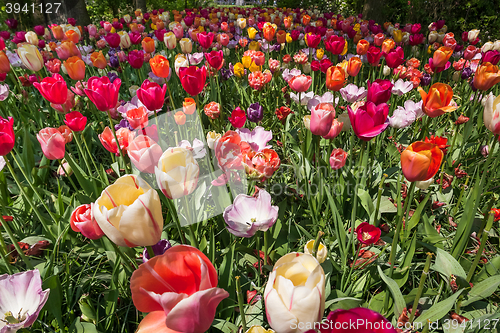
(22, 300)
(248, 214)
(255, 112)
(123, 123)
(466, 73)
(158, 249)
(114, 62)
(352, 93)
(426, 80)
(226, 73)
(112, 76)
(257, 139)
(11, 23)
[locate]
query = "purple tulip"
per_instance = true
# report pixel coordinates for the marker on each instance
(255, 112)
(247, 214)
(158, 249)
(11, 23)
(22, 299)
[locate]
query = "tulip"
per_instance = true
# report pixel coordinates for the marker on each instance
(420, 161)
(335, 78)
(186, 45)
(109, 143)
(215, 59)
(75, 121)
(4, 63)
(362, 47)
(472, 35)
(338, 157)
(144, 153)
(129, 212)
(352, 93)
(113, 40)
(367, 233)
(31, 38)
(251, 32)
(185, 277)
(170, 40)
(52, 143)
(321, 254)
(369, 120)
(491, 56)
(53, 89)
(438, 101)
(7, 136)
(206, 39)
(322, 116)
(373, 55)
(335, 44)
(395, 57)
(75, 67)
(102, 92)
(57, 31)
(379, 91)
(487, 75)
(238, 117)
(152, 95)
(137, 117)
(136, 58)
(125, 41)
(354, 66)
(98, 60)
(255, 112)
(312, 40)
(193, 79)
(212, 110)
(441, 56)
(300, 83)
(268, 32)
(22, 300)
(160, 66)
(30, 57)
(82, 221)
(491, 115)
(180, 118)
(258, 58)
(148, 45)
(188, 106)
(295, 293)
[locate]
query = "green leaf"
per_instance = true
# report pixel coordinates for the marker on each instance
(54, 301)
(447, 265)
(225, 326)
(82, 177)
(366, 201)
(399, 302)
(438, 310)
(416, 216)
(482, 290)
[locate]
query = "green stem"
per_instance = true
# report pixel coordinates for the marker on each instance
(239, 295)
(16, 245)
(484, 238)
(425, 272)
(124, 258)
(266, 247)
(379, 196)
(151, 253)
(68, 176)
(317, 242)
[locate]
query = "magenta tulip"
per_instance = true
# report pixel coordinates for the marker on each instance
(102, 92)
(395, 57)
(205, 39)
(7, 136)
(152, 95)
(369, 120)
(379, 91)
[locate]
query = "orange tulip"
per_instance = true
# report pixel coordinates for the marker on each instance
(388, 45)
(487, 75)
(148, 45)
(180, 118)
(362, 47)
(98, 60)
(287, 21)
(4, 63)
(160, 66)
(268, 32)
(353, 66)
(420, 161)
(72, 36)
(438, 101)
(189, 105)
(75, 68)
(306, 19)
(57, 31)
(441, 56)
(335, 78)
(281, 36)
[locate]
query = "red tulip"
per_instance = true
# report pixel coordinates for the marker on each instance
(373, 55)
(205, 39)
(395, 57)
(178, 289)
(102, 92)
(53, 89)
(379, 91)
(193, 79)
(7, 136)
(152, 95)
(335, 44)
(369, 120)
(367, 233)
(137, 118)
(238, 118)
(313, 40)
(215, 59)
(82, 221)
(75, 121)
(52, 143)
(108, 141)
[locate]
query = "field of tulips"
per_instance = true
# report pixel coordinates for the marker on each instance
(249, 170)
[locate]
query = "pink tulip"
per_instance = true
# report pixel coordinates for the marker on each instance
(369, 120)
(82, 221)
(335, 130)
(144, 153)
(152, 95)
(52, 142)
(300, 83)
(102, 92)
(322, 116)
(338, 158)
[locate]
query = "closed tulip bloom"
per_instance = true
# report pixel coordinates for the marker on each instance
(281, 36)
(441, 56)
(205, 39)
(373, 55)
(53, 89)
(75, 67)
(487, 75)
(148, 45)
(7, 136)
(31, 38)
(67, 49)
(193, 79)
(82, 221)
(160, 66)
(388, 45)
(186, 45)
(177, 172)
(152, 95)
(312, 40)
(334, 130)
(335, 78)
(397, 35)
(170, 40)
(30, 57)
(438, 101)
(268, 32)
(52, 143)
(124, 136)
(138, 117)
(136, 58)
(258, 58)
(322, 116)
(113, 40)
(491, 115)
(102, 92)
(189, 106)
(129, 212)
(338, 157)
(238, 117)
(492, 56)
(420, 161)
(300, 83)
(125, 41)
(395, 57)
(335, 44)
(179, 290)
(180, 118)
(215, 59)
(144, 153)
(472, 35)
(242, 22)
(354, 66)
(362, 47)
(379, 91)
(4, 63)
(57, 31)
(98, 60)
(75, 121)
(295, 293)
(369, 120)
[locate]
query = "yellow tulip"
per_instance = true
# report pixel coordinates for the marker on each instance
(289, 38)
(239, 70)
(345, 49)
(320, 53)
(252, 32)
(397, 35)
(254, 45)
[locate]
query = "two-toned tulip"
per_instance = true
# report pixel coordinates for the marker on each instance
(420, 161)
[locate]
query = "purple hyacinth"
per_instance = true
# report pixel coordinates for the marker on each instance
(158, 249)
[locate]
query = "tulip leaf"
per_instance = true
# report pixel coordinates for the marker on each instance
(438, 310)
(416, 215)
(54, 301)
(483, 289)
(225, 326)
(447, 265)
(399, 301)
(366, 201)
(82, 178)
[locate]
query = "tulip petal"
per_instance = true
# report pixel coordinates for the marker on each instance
(155, 322)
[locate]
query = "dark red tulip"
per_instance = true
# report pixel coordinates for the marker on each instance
(136, 58)
(135, 38)
(367, 233)
(193, 79)
(373, 55)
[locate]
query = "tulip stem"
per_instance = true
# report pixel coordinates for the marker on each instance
(239, 294)
(379, 196)
(317, 242)
(118, 143)
(16, 245)
(104, 182)
(124, 258)
(170, 95)
(266, 246)
(68, 176)
(484, 238)
(425, 272)
(151, 253)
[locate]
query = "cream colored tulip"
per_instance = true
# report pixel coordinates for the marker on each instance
(307, 121)
(180, 61)
(177, 172)
(433, 36)
(129, 212)
(30, 57)
(488, 46)
(424, 185)
(258, 329)
(491, 115)
(472, 35)
(295, 293)
(125, 41)
(242, 22)
(212, 137)
(440, 37)
(127, 18)
(186, 45)
(496, 45)
(31, 38)
(170, 40)
(321, 254)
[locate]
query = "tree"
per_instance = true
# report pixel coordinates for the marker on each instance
(75, 8)
(374, 10)
(140, 4)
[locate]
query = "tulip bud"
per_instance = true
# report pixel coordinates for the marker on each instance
(321, 254)
(387, 70)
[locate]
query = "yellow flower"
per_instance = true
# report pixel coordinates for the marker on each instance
(321, 254)
(345, 49)
(251, 32)
(429, 49)
(397, 35)
(239, 70)
(289, 38)
(246, 61)
(320, 53)
(357, 27)
(254, 45)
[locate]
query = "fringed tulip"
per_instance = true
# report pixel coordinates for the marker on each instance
(420, 161)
